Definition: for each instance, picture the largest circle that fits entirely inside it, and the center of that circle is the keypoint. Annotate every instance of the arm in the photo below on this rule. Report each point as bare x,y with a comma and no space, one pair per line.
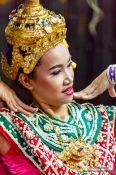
14,103
105,81
4,145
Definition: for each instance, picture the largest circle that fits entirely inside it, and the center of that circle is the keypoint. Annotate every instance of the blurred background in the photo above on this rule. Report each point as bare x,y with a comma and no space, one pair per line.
92,52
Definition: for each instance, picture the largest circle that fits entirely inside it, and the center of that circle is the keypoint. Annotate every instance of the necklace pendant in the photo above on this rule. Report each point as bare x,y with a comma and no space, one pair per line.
79,155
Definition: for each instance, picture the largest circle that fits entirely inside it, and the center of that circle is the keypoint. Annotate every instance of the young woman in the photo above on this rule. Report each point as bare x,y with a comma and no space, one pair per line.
61,137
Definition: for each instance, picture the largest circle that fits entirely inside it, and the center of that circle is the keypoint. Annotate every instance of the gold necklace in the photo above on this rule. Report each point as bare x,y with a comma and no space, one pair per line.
79,154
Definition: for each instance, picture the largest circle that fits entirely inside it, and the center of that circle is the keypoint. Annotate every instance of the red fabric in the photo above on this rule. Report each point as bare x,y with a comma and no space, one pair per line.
3,168
115,167
18,164
115,128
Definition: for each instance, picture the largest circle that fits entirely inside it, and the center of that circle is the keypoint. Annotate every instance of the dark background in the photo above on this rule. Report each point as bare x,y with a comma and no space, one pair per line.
92,53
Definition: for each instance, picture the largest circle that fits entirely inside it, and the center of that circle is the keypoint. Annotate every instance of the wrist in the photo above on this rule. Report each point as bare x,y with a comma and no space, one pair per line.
111,74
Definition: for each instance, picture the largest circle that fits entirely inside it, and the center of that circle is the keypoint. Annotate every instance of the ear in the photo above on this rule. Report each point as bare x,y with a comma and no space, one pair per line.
25,81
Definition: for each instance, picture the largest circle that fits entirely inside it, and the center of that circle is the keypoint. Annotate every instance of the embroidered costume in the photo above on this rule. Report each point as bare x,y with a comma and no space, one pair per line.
37,140
85,144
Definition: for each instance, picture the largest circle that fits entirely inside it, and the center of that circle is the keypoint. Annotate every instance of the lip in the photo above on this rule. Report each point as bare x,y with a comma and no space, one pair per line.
69,91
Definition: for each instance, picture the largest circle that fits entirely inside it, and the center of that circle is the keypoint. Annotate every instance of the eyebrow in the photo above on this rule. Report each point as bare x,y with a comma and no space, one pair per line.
59,65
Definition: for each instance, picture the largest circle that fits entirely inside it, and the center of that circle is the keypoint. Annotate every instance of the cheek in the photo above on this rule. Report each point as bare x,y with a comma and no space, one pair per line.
48,84
70,72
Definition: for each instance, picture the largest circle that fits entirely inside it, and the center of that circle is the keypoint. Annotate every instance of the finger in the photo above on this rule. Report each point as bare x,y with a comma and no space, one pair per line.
23,111
89,91
84,97
112,91
19,109
14,106
24,106
88,97
77,95
11,106
80,94
91,95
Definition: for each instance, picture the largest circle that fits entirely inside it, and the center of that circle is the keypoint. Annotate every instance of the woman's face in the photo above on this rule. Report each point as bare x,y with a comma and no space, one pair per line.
53,78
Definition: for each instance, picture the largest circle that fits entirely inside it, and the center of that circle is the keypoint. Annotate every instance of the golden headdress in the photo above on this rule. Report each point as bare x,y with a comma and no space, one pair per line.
32,30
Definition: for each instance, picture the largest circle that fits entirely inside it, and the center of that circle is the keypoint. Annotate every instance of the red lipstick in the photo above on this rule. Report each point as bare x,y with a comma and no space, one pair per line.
69,91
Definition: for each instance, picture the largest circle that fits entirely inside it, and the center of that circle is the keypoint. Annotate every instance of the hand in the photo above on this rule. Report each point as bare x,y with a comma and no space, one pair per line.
13,102
97,87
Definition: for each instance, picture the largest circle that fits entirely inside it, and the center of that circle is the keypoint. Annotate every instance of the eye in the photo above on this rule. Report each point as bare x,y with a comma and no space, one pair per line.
70,64
56,72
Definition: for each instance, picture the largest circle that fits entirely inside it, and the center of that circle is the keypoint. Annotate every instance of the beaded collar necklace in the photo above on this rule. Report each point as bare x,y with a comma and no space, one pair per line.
78,154
55,129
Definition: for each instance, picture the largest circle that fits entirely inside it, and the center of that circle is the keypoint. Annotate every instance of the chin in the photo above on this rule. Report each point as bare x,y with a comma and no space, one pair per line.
62,100
67,100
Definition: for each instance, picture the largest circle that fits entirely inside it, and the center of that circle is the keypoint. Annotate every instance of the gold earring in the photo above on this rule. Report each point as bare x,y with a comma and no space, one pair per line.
73,64
65,42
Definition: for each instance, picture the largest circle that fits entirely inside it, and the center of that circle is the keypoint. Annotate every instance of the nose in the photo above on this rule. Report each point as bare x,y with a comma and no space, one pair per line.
68,77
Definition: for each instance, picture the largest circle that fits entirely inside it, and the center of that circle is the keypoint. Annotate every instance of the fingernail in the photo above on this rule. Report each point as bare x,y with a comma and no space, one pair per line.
12,112
36,109
30,114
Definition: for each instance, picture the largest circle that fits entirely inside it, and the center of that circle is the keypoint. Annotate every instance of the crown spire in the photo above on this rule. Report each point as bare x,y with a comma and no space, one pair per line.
32,3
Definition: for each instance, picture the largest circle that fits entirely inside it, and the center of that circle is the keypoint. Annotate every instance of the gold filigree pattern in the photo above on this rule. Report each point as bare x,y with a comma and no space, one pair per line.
79,155
32,30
